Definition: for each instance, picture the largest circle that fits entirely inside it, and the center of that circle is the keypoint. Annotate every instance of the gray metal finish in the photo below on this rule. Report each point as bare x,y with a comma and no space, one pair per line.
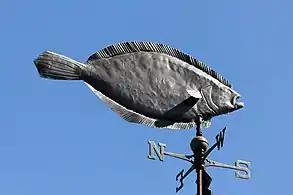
148,83
154,83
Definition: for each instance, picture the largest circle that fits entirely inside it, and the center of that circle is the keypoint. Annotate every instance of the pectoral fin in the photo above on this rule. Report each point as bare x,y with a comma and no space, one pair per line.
194,93
179,110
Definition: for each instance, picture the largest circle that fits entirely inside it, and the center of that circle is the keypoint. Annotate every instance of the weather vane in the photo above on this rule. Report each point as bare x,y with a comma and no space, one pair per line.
158,86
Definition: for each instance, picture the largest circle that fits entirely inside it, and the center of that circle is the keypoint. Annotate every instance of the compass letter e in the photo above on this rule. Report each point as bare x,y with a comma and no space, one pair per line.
153,148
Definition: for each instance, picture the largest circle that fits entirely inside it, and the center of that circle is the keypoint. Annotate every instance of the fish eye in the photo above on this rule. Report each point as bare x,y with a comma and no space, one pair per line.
234,100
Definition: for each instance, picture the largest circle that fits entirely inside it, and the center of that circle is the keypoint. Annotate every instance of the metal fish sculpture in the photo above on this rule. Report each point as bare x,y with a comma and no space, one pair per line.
148,83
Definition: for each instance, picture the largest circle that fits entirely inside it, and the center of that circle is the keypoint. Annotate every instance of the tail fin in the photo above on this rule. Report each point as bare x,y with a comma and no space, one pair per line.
55,66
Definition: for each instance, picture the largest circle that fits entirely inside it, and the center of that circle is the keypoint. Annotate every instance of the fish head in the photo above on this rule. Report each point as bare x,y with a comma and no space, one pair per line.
236,104
227,99
221,99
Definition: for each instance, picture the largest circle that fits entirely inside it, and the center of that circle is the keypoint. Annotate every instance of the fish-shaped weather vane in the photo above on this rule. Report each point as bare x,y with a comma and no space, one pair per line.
148,83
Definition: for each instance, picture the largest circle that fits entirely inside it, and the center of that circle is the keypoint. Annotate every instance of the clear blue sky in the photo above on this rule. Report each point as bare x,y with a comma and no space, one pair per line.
57,137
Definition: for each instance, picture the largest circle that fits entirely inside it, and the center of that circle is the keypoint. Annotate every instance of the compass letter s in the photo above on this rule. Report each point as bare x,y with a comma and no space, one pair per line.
153,148
245,169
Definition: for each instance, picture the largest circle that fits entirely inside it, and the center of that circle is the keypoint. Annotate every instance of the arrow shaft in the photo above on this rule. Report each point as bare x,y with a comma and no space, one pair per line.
211,163
179,156
210,150
189,171
219,143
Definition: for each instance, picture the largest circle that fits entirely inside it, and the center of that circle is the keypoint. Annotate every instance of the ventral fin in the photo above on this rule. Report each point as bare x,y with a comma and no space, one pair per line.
133,117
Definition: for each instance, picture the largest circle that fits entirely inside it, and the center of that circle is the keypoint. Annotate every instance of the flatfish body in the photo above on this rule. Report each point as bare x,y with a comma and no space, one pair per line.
148,83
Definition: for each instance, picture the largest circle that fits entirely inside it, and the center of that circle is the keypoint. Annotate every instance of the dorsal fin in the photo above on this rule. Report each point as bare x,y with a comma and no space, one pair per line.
130,47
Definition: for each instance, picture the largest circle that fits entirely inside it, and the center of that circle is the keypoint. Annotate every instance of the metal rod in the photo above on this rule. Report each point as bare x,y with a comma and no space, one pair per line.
199,180
199,155
198,127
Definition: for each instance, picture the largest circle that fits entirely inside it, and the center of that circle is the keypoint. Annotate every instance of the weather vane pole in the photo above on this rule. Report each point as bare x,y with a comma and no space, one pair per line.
199,160
199,152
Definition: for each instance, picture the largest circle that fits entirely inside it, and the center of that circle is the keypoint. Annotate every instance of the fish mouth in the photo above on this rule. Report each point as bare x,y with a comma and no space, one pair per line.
237,104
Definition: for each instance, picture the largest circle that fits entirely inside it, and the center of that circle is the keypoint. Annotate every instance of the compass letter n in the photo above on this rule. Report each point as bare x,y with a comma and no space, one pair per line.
153,148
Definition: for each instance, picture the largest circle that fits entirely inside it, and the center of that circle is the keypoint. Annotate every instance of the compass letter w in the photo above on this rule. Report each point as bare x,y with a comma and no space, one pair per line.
153,148
220,138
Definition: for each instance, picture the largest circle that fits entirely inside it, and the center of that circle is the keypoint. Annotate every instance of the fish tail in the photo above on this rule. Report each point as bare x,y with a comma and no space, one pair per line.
58,67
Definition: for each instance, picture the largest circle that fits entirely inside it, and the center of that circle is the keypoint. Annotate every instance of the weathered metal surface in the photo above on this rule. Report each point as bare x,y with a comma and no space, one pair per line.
148,83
